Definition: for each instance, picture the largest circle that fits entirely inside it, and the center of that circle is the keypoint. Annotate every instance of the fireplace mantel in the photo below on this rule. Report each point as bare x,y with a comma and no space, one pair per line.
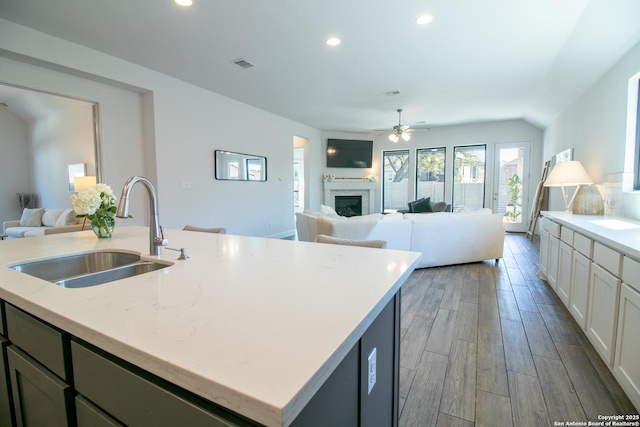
364,187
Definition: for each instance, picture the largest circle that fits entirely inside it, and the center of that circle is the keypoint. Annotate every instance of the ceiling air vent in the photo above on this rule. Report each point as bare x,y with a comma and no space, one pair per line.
242,63
392,93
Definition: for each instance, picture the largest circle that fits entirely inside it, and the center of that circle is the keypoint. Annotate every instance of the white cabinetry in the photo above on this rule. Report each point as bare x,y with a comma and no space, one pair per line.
553,247
565,261
579,296
544,252
604,293
626,366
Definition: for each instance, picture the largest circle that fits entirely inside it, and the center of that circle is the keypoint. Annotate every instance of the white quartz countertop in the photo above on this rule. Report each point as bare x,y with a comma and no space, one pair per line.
621,234
255,325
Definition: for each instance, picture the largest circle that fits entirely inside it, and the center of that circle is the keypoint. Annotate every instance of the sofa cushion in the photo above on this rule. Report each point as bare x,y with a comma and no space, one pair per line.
321,238
421,206
17,232
31,217
67,217
50,217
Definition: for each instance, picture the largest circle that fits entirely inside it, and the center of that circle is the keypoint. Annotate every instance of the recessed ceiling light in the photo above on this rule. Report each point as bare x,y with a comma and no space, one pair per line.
424,19
333,41
184,2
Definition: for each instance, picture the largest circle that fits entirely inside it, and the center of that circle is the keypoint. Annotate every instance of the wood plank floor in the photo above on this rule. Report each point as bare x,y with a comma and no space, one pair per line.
492,345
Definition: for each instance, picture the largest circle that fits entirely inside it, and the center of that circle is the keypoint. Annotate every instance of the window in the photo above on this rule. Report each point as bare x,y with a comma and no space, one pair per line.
430,177
468,176
395,179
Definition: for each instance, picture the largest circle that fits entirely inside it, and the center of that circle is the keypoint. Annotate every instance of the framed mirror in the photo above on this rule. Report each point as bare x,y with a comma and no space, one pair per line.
239,167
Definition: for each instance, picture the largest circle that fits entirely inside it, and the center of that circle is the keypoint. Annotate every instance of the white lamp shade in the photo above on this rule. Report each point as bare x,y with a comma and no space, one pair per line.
568,174
83,182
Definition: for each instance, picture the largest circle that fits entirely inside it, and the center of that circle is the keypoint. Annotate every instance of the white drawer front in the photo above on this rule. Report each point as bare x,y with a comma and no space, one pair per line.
631,273
566,235
608,258
583,244
552,227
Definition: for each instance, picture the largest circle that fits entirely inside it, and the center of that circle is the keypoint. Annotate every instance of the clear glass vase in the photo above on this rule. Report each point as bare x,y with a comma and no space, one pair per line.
103,227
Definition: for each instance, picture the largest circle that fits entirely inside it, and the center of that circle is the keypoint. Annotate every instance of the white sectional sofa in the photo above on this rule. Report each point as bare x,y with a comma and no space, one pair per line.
43,221
443,238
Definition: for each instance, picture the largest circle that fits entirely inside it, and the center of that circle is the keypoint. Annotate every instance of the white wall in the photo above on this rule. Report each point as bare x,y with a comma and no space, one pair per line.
595,126
488,133
15,171
177,127
446,136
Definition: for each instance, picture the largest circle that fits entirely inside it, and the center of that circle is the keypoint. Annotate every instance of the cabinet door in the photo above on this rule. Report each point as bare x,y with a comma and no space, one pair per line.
626,365
604,290
565,259
579,296
552,266
40,398
5,386
544,252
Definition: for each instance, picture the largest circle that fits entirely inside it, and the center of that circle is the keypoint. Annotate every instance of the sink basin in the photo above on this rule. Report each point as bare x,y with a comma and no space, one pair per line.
88,268
110,275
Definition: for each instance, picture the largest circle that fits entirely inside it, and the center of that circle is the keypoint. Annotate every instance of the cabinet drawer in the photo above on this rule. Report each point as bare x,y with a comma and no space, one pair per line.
89,415
43,342
138,399
582,244
551,227
608,258
566,235
631,273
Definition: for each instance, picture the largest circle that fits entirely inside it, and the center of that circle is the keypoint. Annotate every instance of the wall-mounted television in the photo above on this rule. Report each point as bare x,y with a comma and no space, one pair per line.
349,153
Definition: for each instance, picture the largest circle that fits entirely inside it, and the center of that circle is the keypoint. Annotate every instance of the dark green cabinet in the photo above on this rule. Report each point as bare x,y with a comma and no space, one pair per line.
6,407
52,379
40,398
89,415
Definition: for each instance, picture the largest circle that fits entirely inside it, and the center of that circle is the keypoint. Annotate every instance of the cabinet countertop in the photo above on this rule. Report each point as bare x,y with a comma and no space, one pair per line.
621,234
255,325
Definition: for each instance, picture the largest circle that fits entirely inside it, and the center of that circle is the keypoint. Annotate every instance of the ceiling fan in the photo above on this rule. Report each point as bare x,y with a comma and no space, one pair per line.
400,130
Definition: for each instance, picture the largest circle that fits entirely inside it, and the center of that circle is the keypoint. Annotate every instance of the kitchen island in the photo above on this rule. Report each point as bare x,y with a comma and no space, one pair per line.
255,326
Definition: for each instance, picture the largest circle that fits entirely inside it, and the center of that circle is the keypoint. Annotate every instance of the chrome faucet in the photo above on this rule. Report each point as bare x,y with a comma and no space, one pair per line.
156,236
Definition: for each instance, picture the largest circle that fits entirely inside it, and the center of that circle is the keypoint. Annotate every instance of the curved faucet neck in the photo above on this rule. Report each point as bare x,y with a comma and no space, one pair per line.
156,238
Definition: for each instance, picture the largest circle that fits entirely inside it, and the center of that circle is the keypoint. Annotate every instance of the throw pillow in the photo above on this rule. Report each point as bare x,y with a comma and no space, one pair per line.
411,204
439,207
328,210
31,217
422,206
50,217
68,217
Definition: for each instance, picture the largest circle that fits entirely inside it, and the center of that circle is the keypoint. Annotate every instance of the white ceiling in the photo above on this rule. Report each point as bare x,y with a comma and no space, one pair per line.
477,61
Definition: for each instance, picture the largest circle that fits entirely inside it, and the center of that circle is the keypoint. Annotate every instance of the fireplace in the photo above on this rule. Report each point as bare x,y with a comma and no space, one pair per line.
350,187
348,205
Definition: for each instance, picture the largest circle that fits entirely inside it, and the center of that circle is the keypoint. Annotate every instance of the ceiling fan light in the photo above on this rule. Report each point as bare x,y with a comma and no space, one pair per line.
393,137
406,136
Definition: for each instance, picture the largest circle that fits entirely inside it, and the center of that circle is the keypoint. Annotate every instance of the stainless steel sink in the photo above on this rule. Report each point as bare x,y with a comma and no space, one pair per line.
88,268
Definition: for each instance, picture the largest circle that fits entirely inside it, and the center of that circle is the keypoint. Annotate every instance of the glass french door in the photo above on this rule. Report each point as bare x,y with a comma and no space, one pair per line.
510,187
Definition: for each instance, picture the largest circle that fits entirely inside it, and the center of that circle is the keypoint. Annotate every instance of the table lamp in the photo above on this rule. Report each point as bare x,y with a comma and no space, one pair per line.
568,174
82,182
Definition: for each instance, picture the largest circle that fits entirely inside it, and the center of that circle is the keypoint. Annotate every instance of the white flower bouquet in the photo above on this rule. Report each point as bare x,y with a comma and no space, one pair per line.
97,204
